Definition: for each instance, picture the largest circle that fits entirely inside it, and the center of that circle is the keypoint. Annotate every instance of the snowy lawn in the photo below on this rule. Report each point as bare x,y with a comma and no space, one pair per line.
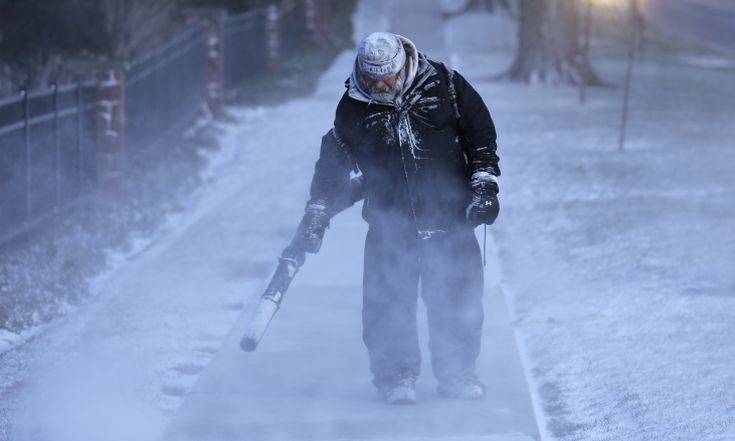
621,265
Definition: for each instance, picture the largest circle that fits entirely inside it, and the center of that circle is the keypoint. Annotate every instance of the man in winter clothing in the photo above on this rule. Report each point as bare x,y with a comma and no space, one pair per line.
424,142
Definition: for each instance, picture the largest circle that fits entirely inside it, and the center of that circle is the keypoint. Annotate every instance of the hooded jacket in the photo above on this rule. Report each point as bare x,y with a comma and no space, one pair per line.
416,155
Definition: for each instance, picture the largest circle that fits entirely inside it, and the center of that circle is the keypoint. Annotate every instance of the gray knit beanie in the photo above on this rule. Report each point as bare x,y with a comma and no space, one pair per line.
381,55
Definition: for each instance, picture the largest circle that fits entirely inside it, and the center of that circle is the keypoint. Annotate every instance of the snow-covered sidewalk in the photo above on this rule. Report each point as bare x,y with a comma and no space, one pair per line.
309,378
164,325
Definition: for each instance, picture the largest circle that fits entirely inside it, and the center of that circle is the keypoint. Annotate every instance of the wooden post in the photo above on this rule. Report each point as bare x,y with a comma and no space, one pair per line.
213,21
586,50
273,37
310,18
109,121
635,23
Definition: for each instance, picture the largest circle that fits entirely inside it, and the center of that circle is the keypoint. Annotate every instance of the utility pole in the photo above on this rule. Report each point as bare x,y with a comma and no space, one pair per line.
635,23
586,50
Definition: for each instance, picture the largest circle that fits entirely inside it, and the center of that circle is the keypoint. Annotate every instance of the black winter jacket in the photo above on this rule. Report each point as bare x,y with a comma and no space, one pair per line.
416,156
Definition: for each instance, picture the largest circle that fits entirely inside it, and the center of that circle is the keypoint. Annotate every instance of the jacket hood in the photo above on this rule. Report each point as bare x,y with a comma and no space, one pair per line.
418,69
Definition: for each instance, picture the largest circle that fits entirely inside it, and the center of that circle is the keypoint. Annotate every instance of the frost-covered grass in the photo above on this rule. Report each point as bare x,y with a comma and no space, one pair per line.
45,273
50,274
620,264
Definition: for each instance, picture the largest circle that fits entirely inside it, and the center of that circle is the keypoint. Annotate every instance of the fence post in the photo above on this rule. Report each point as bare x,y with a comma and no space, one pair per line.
273,37
310,17
213,22
314,20
107,105
109,121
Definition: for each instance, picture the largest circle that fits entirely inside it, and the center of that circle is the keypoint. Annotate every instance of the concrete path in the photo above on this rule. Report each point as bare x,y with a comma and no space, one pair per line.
309,379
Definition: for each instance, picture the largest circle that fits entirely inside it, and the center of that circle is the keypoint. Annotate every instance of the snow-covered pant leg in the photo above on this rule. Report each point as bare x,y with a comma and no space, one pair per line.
390,295
452,287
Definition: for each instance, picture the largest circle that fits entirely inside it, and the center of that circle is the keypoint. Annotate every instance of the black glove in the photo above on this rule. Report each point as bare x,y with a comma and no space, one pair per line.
314,222
484,207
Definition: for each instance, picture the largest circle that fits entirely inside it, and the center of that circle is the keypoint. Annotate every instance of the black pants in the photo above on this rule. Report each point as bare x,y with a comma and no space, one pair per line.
450,270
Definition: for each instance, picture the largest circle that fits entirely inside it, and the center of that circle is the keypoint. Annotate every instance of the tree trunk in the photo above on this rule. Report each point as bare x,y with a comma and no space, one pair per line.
548,45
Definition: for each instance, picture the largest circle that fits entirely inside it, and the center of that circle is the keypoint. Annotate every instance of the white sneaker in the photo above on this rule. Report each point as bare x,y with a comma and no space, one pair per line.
463,389
401,392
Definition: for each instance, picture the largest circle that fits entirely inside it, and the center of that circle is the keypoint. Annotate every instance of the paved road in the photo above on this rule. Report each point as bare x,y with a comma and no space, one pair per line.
309,380
710,22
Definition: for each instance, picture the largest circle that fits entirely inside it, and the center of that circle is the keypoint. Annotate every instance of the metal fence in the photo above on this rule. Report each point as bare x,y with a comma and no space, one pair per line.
47,137
245,47
247,39
50,139
46,152
164,92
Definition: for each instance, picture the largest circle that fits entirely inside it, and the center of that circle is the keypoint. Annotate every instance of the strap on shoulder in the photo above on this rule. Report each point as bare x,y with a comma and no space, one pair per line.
449,72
